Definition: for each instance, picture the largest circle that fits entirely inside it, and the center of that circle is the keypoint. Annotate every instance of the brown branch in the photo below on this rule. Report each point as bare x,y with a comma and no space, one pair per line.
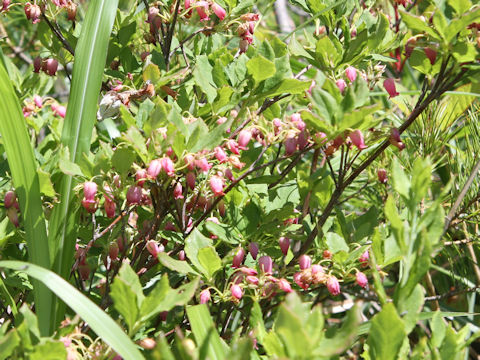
59,35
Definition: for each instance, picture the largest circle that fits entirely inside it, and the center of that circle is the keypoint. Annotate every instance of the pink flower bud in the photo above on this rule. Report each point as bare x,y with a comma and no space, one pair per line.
238,258
51,67
300,281
134,194
284,285
382,176
363,259
10,199
265,263
167,166
395,139
216,185
333,285
5,4
341,84
113,250
290,144
302,139
178,191
141,176
37,64
327,254
389,85
431,55
12,215
187,4
89,205
305,262
361,279
248,271
33,12
409,46
219,11
181,255
351,73
356,137
189,161
109,207
284,243
252,280
153,248
236,291
233,146
220,154
205,296
38,101
203,164
202,10
253,249
154,168
59,110
228,174
243,139
317,269
89,190
191,180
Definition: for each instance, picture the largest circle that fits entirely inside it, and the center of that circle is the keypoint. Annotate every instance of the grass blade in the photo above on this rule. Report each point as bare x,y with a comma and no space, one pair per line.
97,319
23,168
90,57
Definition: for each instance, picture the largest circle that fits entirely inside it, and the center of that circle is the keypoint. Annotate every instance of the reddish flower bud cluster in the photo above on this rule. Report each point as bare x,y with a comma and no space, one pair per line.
11,204
245,30
48,66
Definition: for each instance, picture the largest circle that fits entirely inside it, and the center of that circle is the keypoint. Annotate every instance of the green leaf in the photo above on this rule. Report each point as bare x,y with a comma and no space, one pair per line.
288,86
88,68
204,331
204,79
392,215
461,23
181,267
102,324
418,25
401,183
127,294
386,334
157,295
123,159
50,350
335,242
260,68
8,343
23,167
439,328
193,243
209,260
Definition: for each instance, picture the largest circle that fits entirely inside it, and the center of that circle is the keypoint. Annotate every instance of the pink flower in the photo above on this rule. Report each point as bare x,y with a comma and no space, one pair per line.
395,139
203,164
154,168
205,296
228,174
300,281
216,185
351,73
134,194
341,84
333,285
236,291
363,259
302,139
167,166
248,271
191,180
220,154
178,191
12,215
51,66
109,207
219,11
238,258
252,280
187,4
233,146
10,198
253,249
89,190
389,85
38,101
361,279
284,285
305,262
181,255
189,161
153,248
202,10
357,139
265,263
284,243
59,110
382,176
243,139
290,144
140,177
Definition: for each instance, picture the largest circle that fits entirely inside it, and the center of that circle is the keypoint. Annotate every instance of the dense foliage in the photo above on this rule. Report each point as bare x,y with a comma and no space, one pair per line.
239,179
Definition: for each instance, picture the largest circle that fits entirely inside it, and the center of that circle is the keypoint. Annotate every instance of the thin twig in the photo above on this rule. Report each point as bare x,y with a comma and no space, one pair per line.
59,35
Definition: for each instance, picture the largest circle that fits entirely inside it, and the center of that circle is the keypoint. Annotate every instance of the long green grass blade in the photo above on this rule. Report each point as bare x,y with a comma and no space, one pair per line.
23,168
97,319
90,57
